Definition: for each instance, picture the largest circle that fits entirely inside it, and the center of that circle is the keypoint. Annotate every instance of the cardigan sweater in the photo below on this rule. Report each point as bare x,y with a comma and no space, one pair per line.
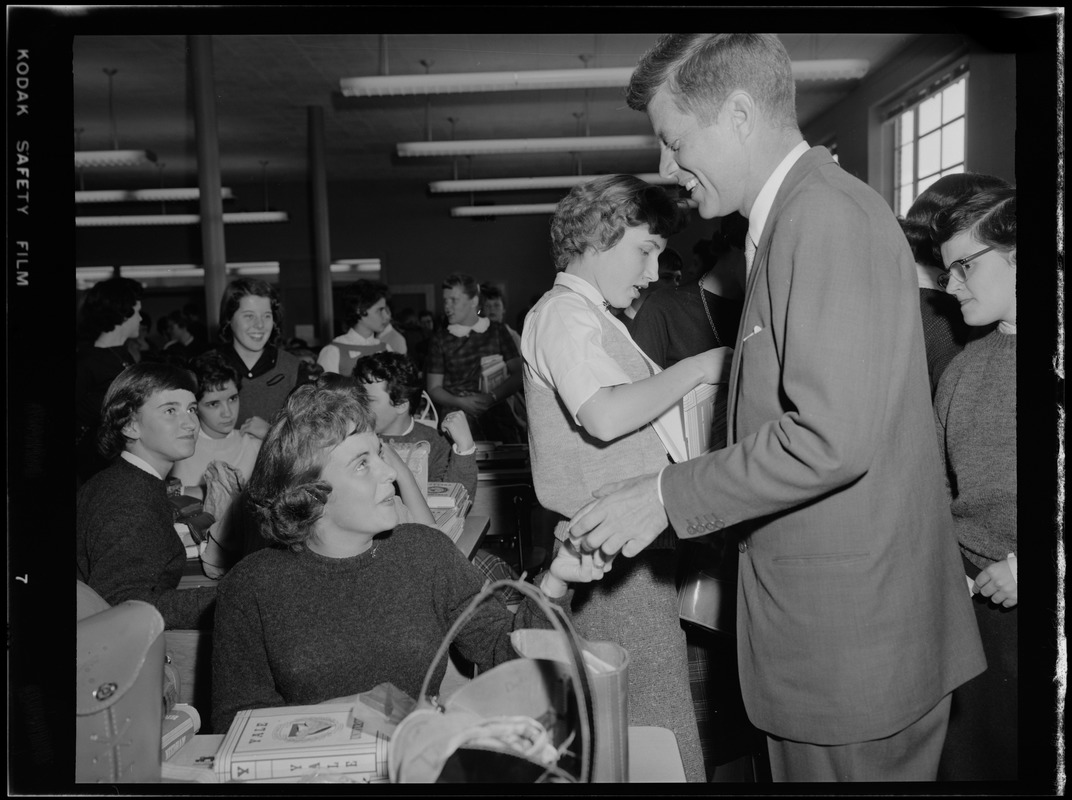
297,628
127,547
975,410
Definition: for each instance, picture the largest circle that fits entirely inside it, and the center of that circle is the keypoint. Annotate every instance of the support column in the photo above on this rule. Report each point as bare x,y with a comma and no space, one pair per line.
208,177
318,207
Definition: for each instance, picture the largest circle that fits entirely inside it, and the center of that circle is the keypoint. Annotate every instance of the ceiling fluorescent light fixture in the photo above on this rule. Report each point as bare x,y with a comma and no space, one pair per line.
506,81
503,211
356,265
140,220
532,208
524,184
144,195
565,144
144,271
113,158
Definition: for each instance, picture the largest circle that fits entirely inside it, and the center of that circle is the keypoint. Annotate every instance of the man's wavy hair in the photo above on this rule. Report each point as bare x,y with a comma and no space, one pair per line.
595,215
128,392
943,193
700,70
286,493
232,297
990,215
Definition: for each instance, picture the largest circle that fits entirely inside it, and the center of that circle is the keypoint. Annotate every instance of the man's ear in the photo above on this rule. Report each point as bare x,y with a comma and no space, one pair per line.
741,107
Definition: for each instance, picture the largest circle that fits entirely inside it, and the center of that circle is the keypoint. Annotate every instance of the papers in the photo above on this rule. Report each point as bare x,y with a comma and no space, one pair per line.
695,425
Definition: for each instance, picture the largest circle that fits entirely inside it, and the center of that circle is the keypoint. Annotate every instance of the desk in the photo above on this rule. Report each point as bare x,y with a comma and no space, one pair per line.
472,536
476,528
653,758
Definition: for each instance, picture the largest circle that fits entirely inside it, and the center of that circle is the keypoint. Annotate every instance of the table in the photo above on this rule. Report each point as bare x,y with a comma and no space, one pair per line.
653,758
472,536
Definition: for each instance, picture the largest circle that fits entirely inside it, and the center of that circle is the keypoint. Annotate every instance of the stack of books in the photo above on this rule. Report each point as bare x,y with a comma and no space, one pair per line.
493,372
449,503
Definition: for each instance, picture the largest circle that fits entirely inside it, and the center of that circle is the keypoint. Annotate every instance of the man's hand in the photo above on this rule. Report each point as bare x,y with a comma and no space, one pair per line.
625,517
997,583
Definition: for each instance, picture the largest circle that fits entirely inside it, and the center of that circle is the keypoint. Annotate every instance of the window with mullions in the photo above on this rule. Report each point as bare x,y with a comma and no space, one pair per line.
929,140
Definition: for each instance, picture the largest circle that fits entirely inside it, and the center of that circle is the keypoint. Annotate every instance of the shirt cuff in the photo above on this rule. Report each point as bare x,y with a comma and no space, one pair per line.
1011,557
659,485
468,452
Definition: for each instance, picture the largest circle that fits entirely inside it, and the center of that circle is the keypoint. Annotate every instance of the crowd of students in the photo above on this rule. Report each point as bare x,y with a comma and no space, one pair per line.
863,491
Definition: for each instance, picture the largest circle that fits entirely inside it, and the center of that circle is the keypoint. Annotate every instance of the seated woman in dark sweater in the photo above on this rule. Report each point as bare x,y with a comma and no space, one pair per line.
127,546
347,598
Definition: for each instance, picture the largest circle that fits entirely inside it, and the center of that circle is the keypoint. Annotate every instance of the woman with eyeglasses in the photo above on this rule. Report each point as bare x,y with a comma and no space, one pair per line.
944,330
975,411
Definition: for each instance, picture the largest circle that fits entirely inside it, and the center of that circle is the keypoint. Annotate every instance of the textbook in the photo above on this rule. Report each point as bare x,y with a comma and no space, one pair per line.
180,725
695,425
446,495
493,373
292,742
449,521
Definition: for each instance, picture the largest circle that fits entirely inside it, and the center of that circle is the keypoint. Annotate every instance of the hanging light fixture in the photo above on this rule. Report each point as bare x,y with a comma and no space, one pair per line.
834,69
531,208
528,184
142,220
563,144
114,157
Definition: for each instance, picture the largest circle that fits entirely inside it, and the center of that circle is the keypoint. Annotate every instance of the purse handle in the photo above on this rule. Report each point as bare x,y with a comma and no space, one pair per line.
578,673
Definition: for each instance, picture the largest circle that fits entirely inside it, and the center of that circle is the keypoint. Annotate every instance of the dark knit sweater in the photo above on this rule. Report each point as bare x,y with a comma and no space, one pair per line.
443,463
672,324
301,628
944,331
975,410
127,547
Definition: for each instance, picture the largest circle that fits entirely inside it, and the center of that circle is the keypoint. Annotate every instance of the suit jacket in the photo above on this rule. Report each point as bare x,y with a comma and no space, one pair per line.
853,614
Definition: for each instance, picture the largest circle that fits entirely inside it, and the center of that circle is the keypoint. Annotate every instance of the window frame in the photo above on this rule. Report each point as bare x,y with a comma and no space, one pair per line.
910,101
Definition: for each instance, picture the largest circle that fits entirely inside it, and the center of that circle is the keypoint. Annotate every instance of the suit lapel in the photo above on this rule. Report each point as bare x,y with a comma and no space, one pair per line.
796,175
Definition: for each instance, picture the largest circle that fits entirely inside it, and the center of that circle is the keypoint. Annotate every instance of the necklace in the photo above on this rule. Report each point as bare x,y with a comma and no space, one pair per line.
703,299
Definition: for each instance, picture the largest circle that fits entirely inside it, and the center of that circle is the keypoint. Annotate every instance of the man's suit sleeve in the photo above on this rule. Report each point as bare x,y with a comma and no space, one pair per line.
812,385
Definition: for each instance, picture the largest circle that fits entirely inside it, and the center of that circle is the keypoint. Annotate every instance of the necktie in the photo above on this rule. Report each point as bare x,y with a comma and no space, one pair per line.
749,253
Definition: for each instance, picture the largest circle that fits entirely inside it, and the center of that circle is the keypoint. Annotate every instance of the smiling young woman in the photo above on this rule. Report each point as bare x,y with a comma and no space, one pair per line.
347,598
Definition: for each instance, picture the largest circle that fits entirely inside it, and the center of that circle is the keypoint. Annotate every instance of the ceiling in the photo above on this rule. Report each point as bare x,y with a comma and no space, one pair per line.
264,84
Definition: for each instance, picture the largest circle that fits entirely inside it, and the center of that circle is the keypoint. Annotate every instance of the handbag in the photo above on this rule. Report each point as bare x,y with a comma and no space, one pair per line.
707,597
528,720
119,698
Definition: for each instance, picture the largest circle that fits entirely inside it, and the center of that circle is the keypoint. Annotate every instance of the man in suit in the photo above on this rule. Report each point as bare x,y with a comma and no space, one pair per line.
854,621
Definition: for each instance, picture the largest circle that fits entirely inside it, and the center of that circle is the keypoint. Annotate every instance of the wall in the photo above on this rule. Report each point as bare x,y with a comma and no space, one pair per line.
864,146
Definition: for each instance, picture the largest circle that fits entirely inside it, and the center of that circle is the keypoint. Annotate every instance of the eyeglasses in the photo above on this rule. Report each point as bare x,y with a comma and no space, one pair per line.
959,269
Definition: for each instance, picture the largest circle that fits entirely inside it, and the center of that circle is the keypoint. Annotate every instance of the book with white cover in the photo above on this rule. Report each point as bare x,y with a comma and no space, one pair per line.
280,744
440,494
696,424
